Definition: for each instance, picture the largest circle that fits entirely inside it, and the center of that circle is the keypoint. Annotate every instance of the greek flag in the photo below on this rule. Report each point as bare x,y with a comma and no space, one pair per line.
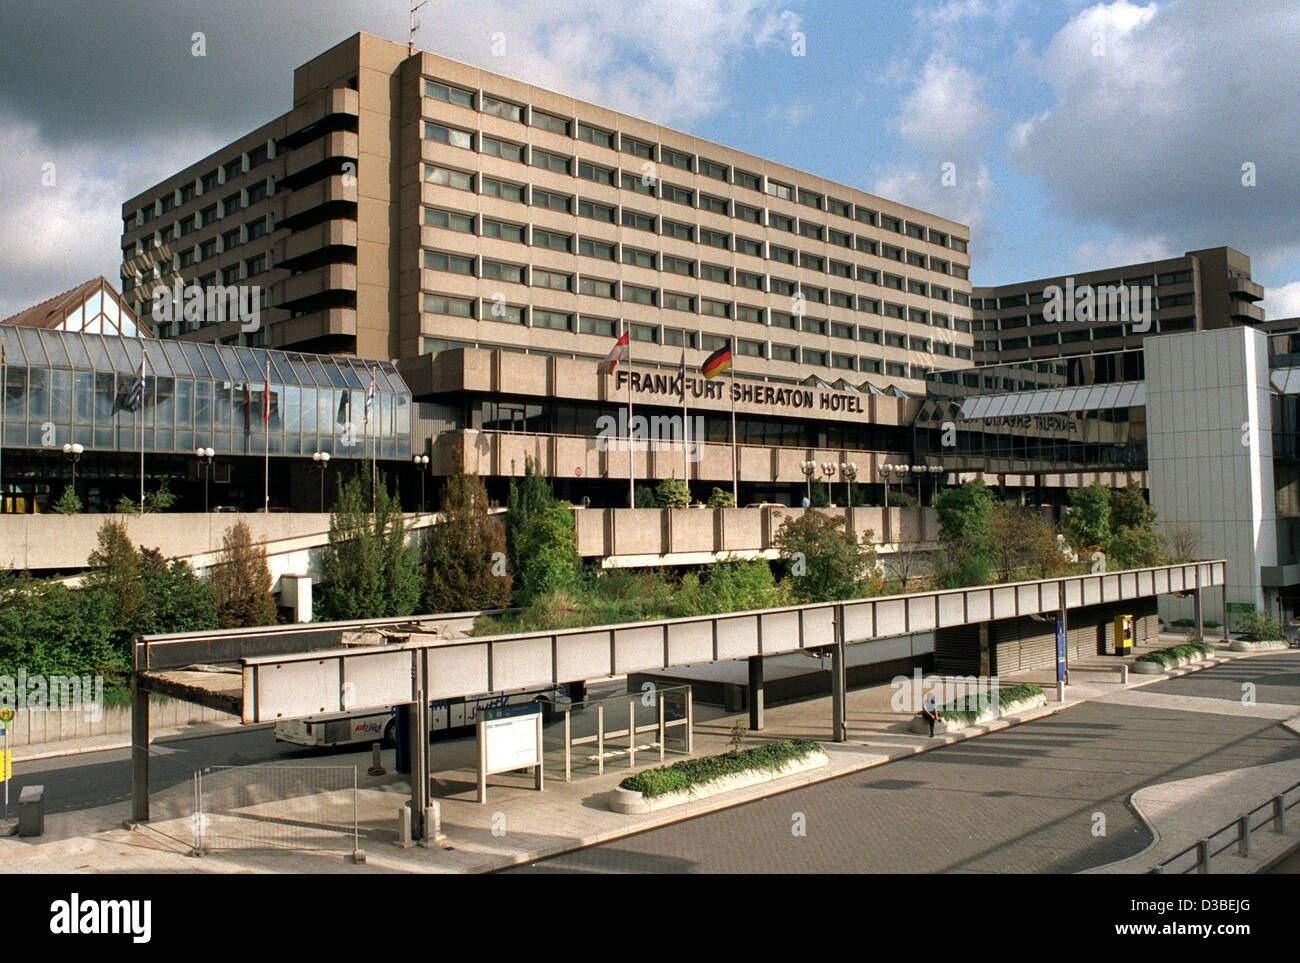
135,395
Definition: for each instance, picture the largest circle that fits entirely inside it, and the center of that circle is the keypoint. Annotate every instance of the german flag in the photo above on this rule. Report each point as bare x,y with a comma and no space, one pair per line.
716,363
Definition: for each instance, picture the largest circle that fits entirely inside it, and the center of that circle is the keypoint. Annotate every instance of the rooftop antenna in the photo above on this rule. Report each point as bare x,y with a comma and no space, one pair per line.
414,29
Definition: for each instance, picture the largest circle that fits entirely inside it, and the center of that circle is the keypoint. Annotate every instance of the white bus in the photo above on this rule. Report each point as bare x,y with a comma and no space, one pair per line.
445,716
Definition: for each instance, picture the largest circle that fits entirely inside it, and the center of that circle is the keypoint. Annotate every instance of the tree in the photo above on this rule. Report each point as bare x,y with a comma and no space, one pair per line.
1184,540
645,497
904,564
525,500
115,571
48,629
68,503
738,585
721,499
175,598
465,555
549,547
1021,537
1129,509
824,560
241,581
1136,547
965,516
367,568
673,493
1087,523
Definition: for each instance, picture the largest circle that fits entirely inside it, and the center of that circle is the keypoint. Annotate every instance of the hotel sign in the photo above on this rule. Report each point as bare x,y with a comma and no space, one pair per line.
1060,424
666,388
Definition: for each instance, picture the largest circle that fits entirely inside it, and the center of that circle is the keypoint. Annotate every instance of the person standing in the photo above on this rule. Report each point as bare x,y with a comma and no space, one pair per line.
930,710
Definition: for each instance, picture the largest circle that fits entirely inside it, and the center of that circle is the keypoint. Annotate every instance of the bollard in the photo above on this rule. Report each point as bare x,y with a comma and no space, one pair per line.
433,834
31,811
1203,856
404,827
1243,836
1123,675
376,761
1279,813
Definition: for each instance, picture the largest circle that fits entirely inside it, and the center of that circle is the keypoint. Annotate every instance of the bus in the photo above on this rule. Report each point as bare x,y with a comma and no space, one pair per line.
447,717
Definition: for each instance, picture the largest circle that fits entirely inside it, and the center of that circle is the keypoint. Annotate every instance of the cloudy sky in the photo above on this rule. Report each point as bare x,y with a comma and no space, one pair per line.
1077,135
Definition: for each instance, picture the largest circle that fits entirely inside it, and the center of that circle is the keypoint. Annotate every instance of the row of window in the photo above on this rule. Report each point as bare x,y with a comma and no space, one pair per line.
1159,303
1079,335
204,184
666,156
1038,297
189,256
537,317
254,194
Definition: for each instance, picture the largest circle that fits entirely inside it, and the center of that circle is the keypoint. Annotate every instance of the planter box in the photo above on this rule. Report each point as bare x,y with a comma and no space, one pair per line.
1155,668
919,725
630,802
1266,645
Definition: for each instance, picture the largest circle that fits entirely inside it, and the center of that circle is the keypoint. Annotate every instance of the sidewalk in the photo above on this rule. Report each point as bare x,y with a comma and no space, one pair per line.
519,825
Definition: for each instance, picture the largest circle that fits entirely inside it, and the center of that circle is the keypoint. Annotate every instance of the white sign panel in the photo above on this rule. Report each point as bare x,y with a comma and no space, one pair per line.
511,742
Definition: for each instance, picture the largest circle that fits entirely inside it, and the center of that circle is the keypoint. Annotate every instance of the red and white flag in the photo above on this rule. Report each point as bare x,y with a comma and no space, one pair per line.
616,354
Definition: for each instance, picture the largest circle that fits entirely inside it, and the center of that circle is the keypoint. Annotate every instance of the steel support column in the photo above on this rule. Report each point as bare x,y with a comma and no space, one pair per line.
755,692
139,751
838,701
418,736
1198,607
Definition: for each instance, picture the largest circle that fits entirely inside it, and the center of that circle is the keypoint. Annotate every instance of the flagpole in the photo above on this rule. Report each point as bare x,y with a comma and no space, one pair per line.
631,451
4,400
686,428
266,425
735,470
139,417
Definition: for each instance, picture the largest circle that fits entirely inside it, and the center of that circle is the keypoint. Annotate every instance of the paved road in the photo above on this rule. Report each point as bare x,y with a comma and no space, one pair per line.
1020,800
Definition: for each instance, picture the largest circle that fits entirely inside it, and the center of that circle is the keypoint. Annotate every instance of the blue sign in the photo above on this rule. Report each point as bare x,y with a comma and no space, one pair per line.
1060,647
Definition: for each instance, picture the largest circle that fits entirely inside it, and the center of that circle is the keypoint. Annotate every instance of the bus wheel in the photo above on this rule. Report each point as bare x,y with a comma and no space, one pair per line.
390,734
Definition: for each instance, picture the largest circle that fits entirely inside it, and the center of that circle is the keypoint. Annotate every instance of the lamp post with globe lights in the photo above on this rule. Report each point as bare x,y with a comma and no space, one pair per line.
73,453
421,465
322,460
205,456
828,469
809,468
850,472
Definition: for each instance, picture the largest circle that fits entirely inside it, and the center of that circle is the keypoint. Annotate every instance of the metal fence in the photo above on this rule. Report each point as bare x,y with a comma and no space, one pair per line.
582,738
294,808
1198,857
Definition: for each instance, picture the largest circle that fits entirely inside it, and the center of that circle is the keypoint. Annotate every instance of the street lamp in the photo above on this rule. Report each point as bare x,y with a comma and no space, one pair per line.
205,456
850,471
73,453
885,472
936,472
421,463
809,468
322,460
828,469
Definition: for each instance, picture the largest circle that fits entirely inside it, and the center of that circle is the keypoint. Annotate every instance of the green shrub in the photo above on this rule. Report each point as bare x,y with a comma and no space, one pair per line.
720,499
1171,656
673,493
966,708
681,776
68,503
1258,627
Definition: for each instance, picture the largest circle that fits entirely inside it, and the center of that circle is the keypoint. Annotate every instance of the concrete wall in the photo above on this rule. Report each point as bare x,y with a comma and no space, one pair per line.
33,727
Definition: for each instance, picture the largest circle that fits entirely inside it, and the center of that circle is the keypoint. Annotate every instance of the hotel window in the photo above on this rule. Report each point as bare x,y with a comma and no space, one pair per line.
713,169
963,353
597,212
504,231
1174,277
231,204
940,294
841,239
448,93
678,195
895,340
893,282
678,302
817,295
256,228
943,267
452,263
230,240
639,258
841,330
813,356
918,372
751,349
745,312
715,239
676,158
715,309
637,148
919,316
784,352
678,265
960,272
186,225
919,344
255,265
842,208
187,257
500,311
754,215
167,202
551,201
502,189
865,245
745,179
810,199
813,231
447,177
780,222
233,169
781,286
941,320
595,173
644,332
506,150
715,272
208,248
188,193
451,221
943,348
814,326
451,135
918,287
554,280
594,135
716,205
637,183
869,335
556,125
208,215
960,297
638,295
606,327
555,320
963,324
677,338
841,270
553,241
893,253
869,365
635,219
1173,300
844,362
916,231
893,311
210,181
891,224
165,234
590,247
745,279
915,259
596,287
938,237
777,189
958,245
869,305
842,299
499,271
230,275
896,370
746,245
783,254
501,108
557,163
712,342
812,262
784,319
257,192
682,232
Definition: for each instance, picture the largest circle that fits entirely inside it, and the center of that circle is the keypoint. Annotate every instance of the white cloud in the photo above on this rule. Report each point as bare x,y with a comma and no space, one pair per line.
945,110
1282,301
1091,256
1156,109
964,200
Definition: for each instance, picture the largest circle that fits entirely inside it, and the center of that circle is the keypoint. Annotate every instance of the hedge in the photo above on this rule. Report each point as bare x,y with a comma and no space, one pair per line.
1171,656
681,776
968,707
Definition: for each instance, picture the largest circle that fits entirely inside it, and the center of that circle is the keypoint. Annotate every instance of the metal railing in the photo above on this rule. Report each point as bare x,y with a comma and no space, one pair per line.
1198,857
582,738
